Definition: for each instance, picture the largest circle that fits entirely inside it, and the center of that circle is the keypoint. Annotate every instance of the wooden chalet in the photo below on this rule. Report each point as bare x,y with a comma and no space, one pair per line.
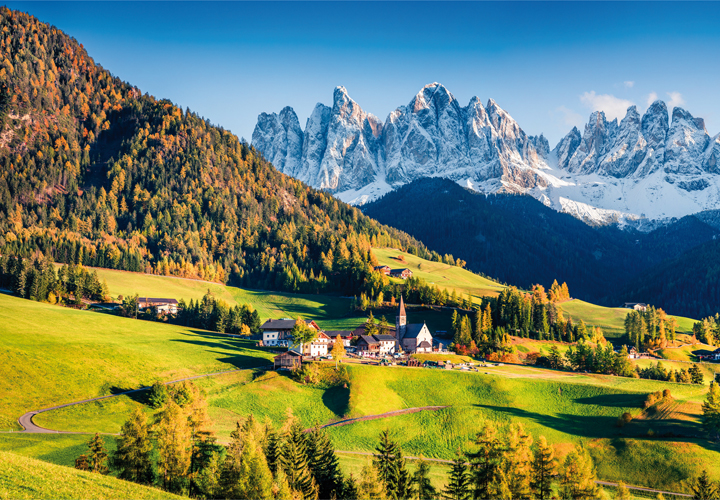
638,306
276,332
345,335
163,306
383,269
288,360
368,344
400,273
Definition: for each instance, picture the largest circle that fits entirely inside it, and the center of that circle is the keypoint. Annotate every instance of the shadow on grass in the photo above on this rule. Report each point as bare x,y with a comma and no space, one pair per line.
337,400
614,400
141,396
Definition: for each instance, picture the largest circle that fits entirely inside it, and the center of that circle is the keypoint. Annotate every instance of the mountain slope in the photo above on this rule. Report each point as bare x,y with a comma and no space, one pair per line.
94,172
519,240
645,166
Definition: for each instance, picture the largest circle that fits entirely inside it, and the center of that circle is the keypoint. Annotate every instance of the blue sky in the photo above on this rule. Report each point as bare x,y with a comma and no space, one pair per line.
548,64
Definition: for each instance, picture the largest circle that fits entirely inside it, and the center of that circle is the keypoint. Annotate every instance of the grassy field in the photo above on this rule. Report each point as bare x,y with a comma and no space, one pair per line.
26,478
51,355
610,319
437,273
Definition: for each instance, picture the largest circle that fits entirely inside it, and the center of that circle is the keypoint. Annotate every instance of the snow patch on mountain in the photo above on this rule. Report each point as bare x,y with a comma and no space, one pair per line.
615,172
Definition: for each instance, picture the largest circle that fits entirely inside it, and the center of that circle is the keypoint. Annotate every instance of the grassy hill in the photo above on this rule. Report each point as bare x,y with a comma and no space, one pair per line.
438,273
51,355
27,478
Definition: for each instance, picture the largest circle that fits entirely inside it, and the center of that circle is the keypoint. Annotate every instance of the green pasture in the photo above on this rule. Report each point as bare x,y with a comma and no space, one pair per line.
50,355
22,477
437,273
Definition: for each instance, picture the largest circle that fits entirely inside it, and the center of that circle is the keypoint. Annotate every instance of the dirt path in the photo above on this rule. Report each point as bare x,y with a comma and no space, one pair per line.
26,420
601,483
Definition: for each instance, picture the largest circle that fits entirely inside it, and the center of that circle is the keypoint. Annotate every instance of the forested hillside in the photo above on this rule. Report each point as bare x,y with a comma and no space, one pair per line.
520,241
98,173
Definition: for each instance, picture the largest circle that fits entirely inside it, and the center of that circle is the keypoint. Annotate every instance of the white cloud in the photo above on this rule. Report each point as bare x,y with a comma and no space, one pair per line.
570,117
629,84
676,99
614,107
652,97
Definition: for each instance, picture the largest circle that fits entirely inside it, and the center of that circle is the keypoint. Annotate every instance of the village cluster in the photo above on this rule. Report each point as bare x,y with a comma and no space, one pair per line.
404,338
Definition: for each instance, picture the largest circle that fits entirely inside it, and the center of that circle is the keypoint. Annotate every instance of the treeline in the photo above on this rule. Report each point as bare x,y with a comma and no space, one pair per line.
707,330
177,450
651,328
94,173
207,313
36,279
603,359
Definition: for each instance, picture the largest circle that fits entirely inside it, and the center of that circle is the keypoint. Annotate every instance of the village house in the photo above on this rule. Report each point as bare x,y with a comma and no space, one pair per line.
162,306
638,306
383,269
387,343
413,338
318,347
400,273
345,335
276,332
368,344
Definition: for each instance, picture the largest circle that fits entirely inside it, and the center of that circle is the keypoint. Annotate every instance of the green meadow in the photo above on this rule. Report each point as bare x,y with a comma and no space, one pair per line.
437,273
22,477
51,355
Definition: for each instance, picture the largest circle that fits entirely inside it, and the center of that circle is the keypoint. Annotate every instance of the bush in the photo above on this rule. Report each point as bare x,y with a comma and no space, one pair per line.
623,420
158,395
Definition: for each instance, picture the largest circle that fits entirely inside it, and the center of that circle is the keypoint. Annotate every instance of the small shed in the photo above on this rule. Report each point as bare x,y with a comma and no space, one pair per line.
288,360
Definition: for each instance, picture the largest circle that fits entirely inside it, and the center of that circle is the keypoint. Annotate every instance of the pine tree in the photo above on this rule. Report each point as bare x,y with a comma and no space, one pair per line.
82,463
704,489
324,464
384,461
518,459
622,492
295,463
274,450
281,489
711,411
370,486
421,479
486,462
458,485
543,469
577,476
174,446
133,454
98,455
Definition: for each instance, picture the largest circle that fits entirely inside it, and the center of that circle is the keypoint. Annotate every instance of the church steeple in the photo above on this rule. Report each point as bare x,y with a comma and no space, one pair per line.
401,321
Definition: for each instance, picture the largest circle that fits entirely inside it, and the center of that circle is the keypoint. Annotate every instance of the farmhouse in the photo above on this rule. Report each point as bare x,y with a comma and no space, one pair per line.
387,343
400,273
412,338
318,347
288,360
383,269
345,335
638,306
368,344
162,306
276,332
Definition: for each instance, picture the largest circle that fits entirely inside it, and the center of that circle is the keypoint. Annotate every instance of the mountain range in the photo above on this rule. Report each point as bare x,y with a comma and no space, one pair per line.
638,171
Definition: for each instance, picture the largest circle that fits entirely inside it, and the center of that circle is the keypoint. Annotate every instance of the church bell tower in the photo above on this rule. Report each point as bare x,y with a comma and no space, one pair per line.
401,321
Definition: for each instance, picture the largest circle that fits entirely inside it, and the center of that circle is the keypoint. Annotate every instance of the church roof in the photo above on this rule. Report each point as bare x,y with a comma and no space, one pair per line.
412,331
402,307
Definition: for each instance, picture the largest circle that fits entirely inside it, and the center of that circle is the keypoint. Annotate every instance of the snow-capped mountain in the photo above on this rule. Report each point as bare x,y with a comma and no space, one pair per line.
643,167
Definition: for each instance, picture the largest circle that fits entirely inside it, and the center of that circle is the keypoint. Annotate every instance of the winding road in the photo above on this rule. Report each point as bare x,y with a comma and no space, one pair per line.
26,421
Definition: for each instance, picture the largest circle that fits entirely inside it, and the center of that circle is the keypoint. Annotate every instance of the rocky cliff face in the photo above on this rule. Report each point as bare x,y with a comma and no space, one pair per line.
344,148
644,166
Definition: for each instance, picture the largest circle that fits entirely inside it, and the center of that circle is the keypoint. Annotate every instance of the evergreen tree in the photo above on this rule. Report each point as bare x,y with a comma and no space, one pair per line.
295,463
543,470
370,486
324,464
518,460
622,492
711,411
458,485
133,454
577,476
82,463
704,489
391,468
421,479
486,462
281,489
174,445
274,450
98,455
